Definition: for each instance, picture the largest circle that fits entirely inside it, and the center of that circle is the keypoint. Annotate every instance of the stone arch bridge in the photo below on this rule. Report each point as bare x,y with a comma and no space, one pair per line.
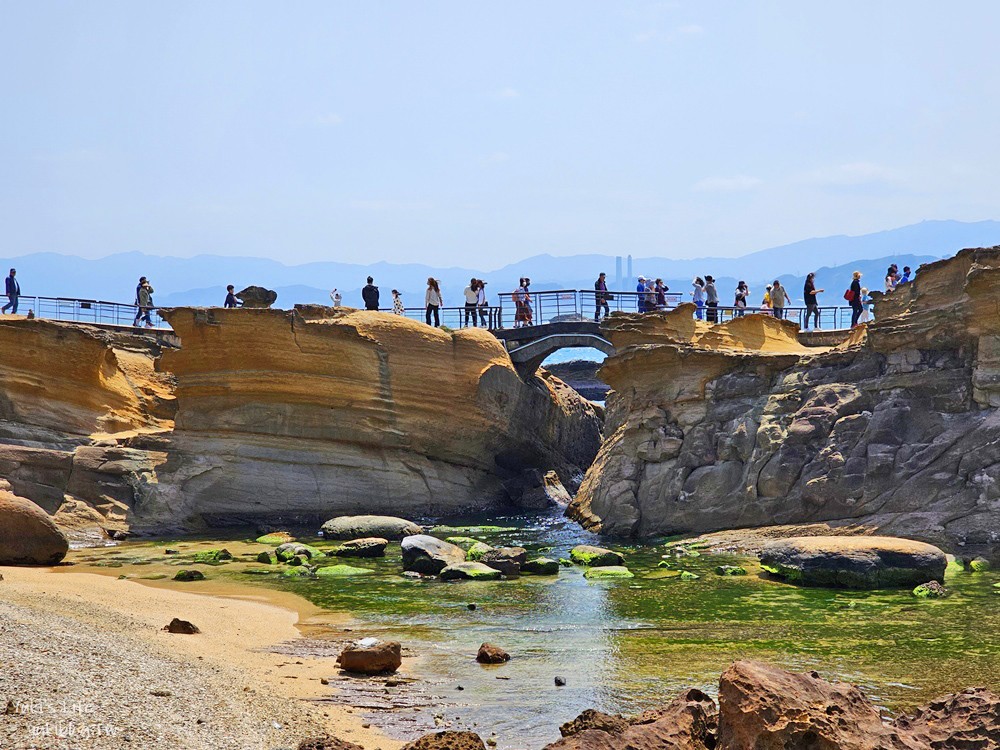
529,346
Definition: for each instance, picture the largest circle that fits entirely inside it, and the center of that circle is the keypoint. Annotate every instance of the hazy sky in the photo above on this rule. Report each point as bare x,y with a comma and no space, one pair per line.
450,131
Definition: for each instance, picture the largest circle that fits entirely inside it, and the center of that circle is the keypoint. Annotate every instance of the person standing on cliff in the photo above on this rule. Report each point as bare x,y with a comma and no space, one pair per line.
698,296
370,295
906,275
397,303
779,298
640,289
809,292
13,292
433,302
471,300
231,300
661,294
144,302
335,297
711,299
853,296
740,299
601,297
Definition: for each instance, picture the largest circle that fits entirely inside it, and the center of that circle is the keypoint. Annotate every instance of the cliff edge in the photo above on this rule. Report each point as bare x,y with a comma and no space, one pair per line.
739,425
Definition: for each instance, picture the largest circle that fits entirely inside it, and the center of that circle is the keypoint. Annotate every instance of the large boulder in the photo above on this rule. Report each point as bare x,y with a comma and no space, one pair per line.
508,560
857,562
371,546
371,656
354,527
428,555
473,571
28,536
257,296
450,740
686,723
586,554
970,719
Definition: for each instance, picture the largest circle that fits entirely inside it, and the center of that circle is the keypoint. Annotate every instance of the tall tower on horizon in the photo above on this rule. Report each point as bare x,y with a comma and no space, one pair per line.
618,272
629,274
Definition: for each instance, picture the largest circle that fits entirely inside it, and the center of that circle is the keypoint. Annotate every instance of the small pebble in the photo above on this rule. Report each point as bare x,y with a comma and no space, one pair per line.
560,681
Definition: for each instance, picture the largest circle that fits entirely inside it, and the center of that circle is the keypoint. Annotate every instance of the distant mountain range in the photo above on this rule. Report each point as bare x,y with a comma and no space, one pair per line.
201,280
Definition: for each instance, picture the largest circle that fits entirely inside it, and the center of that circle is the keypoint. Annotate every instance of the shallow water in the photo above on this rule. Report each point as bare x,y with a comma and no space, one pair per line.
626,645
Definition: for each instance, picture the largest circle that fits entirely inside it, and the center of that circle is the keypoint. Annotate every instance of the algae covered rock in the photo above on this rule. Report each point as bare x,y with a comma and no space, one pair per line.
342,571
476,551
275,538
465,542
189,575
687,575
300,571
859,562
371,546
213,557
541,566
585,554
603,572
358,527
427,555
267,558
286,552
979,565
474,571
730,570
931,590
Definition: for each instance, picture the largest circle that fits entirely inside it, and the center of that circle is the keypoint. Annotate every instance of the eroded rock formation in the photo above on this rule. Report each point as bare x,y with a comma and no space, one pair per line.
293,416
740,425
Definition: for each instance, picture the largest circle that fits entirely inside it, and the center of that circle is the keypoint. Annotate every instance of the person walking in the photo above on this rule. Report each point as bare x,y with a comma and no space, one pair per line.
640,298
335,297
471,301
853,296
433,302
779,298
231,300
144,302
370,295
529,313
698,296
397,303
809,292
711,299
601,297
483,304
13,292
740,299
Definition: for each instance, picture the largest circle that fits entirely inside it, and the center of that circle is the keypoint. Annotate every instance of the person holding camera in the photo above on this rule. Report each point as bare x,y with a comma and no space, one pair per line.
143,302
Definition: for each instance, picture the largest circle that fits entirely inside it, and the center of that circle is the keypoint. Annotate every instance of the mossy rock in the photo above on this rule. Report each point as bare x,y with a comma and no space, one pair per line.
596,557
730,570
979,565
473,571
607,572
285,552
541,566
275,538
931,590
213,557
189,575
342,571
442,531
297,560
267,558
657,575
663,564
153,577
954,566
477,551
566,563
297,572
465,542
687,575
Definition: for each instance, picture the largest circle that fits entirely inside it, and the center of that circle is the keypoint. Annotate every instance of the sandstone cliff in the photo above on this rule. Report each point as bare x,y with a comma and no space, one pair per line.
306,414
739,425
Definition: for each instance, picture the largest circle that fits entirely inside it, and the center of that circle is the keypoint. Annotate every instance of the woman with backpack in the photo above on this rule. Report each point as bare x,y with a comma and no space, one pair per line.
433,301
853,296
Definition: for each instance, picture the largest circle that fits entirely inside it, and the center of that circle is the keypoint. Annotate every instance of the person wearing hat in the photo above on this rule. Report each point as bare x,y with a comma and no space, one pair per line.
482,304
711,300
397,303
640,288
143,302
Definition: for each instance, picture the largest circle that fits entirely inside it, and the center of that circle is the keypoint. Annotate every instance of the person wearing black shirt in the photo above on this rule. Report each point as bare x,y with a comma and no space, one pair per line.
809,294
370,295
231,300
856,305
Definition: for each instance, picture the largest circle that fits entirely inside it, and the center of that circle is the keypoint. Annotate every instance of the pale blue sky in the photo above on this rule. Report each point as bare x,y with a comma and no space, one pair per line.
450,131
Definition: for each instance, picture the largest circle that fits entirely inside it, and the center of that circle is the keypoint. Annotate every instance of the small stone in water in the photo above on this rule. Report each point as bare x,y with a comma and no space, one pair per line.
472,607
560,681
459,688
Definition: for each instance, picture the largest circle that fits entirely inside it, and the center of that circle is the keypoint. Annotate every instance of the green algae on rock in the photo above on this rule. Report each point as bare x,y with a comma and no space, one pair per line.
340,571
931,590
687,575
189,575
585,554
213,557
465,542
603,572
275,538
477,551
541,566
474,571
730,570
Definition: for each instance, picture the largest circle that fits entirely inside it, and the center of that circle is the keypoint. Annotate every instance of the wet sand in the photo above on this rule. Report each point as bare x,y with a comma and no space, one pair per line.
85,656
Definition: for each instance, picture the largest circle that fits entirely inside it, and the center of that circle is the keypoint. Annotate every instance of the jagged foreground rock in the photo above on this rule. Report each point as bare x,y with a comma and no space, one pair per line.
762,707
739,425
271,415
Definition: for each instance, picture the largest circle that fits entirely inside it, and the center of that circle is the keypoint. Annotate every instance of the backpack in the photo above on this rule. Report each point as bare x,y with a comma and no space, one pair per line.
849,295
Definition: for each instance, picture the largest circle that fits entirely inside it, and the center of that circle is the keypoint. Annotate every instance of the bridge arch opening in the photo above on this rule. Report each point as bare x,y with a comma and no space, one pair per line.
577,366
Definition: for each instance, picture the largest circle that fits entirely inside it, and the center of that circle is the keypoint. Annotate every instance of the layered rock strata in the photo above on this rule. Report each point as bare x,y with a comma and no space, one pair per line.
739,425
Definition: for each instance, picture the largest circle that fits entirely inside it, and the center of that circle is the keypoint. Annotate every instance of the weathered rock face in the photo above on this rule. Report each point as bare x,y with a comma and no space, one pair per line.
856,562
346,411
28,536
739,425
257,296
429,556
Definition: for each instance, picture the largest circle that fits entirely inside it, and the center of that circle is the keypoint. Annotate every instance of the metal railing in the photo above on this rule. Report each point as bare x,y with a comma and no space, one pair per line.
100,312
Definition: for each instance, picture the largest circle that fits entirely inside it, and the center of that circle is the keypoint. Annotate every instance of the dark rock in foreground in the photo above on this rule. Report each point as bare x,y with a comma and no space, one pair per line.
490,654
856,562
447,741
183,627
428,555
328,743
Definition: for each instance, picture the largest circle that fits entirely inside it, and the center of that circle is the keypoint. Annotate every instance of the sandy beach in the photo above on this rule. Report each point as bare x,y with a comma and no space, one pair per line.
87,665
